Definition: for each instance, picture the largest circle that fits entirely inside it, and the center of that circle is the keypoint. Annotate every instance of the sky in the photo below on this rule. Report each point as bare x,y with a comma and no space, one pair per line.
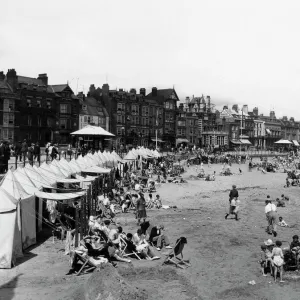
237,52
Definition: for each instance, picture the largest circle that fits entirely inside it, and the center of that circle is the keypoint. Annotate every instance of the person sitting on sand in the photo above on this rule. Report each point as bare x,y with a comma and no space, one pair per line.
282,223
295,248
142,246
287,182
280,203
114,236
157,235
266,259
157,202
278,261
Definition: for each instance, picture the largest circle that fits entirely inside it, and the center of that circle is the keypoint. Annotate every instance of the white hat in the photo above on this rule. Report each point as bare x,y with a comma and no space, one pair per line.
269,242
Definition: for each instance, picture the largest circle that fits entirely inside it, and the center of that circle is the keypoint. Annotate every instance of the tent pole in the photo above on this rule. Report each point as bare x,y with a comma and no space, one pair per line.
76,228
82,218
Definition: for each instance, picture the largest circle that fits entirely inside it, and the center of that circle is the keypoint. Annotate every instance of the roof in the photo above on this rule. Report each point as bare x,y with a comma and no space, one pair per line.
92,130
29,80
57,88
94,108
165,93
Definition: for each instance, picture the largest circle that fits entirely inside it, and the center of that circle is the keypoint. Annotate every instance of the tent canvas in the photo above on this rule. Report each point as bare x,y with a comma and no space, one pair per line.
58,196
283,142
28,211
10,233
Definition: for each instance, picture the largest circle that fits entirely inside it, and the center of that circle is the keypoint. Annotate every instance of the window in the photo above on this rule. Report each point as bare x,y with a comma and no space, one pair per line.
49,104
119,130
8,119
167,105
28,102
29,121
121,107
8,134
8,105
63,123
38,103
63,108
120,119
181,123
84,107
49,122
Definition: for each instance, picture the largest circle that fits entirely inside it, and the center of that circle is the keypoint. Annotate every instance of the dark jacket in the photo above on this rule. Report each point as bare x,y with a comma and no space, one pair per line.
18,148
233,194
24,147
37,150
154,233
6,152
30,153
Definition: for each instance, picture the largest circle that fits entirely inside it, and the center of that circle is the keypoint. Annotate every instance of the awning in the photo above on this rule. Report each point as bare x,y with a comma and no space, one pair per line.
245,142
243,137
58,196
296,143
97,170
159,140
268,131
178,141
236,142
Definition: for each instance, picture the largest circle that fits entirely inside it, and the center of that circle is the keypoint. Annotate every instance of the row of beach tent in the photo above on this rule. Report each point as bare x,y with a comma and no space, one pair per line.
21,195
19,189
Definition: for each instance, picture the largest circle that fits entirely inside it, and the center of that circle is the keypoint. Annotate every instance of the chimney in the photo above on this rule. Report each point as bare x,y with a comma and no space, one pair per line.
187,100
181,106
284,118
2,76
255,111
154,92
43,78
12,78
292,119
245,109
225,107
208,103
80,95
235,107
133,91
272,114
92,89
143,91
120,90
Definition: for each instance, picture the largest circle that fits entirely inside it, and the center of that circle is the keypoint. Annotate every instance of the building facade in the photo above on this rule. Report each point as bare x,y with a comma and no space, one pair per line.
92,112
8,115
289,129
140,119
210,132
168,99
272,129
35,108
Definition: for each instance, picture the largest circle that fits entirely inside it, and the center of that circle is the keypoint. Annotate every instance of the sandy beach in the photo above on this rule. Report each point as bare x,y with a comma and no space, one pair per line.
224,254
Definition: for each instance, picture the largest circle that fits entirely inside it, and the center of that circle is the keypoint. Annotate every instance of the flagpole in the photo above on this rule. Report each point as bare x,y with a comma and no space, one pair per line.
156,139
241,130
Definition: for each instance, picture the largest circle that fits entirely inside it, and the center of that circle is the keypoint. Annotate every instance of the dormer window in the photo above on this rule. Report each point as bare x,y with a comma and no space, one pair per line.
84,107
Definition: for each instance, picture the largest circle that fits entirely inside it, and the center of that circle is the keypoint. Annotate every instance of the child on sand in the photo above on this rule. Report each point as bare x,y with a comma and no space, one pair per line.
266,259
278,261
282,223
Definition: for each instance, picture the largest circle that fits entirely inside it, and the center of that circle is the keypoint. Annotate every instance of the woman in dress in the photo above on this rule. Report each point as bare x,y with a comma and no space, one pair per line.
141,208
278,261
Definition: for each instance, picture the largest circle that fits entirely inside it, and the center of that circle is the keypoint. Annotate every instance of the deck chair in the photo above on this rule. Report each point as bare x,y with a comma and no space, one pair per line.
173,255
124,248
87,265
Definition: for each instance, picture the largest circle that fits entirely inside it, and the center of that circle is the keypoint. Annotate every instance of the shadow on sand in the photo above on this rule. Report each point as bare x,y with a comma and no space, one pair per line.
7,290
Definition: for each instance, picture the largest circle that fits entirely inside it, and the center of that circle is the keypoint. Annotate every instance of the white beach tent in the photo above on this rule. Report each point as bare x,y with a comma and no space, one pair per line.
130,156
10,233
27,204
